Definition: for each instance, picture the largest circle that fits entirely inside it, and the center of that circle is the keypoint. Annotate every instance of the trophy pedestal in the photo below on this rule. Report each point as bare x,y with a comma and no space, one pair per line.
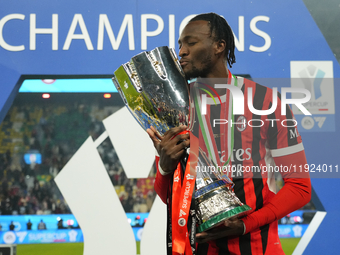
218,219
216,203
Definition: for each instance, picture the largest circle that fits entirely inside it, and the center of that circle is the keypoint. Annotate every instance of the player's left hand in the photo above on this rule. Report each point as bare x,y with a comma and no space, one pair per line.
230,227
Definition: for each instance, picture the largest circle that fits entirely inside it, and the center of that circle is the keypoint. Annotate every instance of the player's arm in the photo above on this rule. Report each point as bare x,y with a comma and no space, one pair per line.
170,148
294,194
288,154
162,182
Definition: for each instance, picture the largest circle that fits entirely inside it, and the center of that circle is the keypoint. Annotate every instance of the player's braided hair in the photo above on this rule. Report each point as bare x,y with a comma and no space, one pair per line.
220,29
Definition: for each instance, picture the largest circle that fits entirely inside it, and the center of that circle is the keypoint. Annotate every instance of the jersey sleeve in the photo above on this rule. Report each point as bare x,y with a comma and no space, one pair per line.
287,151
295,193
283,136
162,183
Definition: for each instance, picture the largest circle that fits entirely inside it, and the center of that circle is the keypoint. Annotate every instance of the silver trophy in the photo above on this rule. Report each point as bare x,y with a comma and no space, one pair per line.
153,87
215,199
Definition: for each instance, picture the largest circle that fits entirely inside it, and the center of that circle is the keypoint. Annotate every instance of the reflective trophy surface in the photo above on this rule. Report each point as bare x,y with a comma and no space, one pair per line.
154,89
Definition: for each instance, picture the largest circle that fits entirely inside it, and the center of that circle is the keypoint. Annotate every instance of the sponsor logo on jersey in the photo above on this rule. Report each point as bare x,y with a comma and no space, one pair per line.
238,154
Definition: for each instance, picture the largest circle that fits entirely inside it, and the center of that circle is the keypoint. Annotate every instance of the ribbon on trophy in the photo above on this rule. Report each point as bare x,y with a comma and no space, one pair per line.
181,201
205,125
214,196
183,206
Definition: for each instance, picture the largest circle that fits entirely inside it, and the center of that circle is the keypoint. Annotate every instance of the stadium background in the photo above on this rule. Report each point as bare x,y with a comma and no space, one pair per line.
54,128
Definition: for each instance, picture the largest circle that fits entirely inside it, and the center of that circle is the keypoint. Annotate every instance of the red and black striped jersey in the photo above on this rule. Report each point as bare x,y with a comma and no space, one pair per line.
261,143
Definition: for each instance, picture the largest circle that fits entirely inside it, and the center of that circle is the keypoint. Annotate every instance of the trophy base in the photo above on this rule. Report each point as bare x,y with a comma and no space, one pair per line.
219,218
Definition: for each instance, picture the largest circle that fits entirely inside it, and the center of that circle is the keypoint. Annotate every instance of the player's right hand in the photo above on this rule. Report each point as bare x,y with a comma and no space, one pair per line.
171,147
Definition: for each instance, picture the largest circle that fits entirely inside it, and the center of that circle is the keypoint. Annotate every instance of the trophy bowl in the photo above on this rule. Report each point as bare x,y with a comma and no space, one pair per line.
153,87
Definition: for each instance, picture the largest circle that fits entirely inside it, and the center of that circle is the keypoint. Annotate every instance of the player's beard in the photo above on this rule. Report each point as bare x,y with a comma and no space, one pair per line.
202,71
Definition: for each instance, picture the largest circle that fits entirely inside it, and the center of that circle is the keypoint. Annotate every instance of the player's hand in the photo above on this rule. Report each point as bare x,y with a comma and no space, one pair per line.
171,147
155,136
230,227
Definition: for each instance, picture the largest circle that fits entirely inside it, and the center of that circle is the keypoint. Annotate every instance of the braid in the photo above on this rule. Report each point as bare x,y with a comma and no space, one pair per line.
220,29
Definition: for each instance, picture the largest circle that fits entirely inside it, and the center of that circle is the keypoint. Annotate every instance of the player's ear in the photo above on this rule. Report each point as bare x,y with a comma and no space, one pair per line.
220,46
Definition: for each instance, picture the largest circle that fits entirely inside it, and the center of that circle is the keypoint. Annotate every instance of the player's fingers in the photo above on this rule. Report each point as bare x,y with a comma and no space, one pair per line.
176,145
202,237
153,137
179,151
177,139
156,133
173,132
182,137
230,221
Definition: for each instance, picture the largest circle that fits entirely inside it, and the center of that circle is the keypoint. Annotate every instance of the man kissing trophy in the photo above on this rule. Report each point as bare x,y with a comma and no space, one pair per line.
154,89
